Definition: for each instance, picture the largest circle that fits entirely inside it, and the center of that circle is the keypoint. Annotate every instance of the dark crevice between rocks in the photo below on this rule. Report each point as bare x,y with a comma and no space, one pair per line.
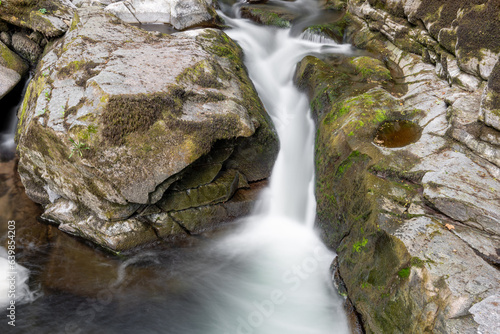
184,228
150,224
434,211
354,318
414,178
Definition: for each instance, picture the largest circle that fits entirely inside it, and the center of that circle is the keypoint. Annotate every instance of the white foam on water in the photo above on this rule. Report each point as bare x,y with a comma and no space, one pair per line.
284,285
21,293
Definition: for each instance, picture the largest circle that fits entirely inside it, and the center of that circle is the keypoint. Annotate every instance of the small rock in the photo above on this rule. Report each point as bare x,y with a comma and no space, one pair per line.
26,47
36,37
8,80
5,38
487,314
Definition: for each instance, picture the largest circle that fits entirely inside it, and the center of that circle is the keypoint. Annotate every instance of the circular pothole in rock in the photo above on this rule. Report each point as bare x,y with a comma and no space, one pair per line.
397,134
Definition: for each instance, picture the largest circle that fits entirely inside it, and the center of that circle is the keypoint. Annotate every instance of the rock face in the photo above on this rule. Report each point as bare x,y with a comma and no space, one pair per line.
416,228
122,158
49,17
181,14
458,36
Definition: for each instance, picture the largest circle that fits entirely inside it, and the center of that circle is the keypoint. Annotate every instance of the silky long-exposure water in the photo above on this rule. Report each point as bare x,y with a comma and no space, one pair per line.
271,276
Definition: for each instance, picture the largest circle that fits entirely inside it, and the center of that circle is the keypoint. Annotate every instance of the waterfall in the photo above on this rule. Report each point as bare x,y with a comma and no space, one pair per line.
270,276
284,284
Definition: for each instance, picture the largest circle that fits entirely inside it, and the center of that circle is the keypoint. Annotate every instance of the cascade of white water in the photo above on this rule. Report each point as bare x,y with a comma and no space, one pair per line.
285,284
271,276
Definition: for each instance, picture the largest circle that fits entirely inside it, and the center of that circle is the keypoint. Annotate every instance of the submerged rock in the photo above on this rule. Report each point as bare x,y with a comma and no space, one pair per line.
181,14
416,228
117,120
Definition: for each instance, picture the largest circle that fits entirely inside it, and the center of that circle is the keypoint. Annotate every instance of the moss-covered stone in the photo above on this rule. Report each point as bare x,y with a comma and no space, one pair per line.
44,16
220,190
11,60
126,114
477,29
268,15
111,142
362,194
371,69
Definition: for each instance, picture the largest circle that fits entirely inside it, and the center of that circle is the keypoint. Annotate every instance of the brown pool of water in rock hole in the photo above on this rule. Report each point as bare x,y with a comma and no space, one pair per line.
397,134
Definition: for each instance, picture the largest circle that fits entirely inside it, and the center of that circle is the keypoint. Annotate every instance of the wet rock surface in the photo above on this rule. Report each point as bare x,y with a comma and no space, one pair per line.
100,144
415,227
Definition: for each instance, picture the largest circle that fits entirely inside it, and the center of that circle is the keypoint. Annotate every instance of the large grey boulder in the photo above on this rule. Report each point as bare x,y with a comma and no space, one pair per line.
181,14
117,121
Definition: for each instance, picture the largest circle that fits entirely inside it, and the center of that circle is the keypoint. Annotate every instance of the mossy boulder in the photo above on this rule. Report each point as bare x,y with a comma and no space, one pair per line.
108,126
385,210
49,17
440,30
271,15
12,68
331,80
11,60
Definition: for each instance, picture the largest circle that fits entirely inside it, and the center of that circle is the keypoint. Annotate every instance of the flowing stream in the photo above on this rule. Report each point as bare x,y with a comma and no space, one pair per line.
270,276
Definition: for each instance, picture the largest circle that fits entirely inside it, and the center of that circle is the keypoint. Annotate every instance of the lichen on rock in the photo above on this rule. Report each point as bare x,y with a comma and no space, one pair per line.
414,227
96,133
12,68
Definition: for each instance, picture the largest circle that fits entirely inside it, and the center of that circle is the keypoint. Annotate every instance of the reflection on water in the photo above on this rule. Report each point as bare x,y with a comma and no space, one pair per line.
397,134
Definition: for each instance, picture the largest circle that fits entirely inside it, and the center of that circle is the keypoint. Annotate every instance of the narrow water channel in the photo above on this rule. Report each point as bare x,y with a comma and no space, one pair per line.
270,276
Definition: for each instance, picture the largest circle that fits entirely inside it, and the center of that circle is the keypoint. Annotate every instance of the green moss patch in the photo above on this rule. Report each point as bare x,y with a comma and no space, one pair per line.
204,74
125,114
268,16
86,69
404,273
371,69
479,29
11,60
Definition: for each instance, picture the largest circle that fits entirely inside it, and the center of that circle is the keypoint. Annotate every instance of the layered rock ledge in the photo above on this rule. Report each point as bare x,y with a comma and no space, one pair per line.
416,227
